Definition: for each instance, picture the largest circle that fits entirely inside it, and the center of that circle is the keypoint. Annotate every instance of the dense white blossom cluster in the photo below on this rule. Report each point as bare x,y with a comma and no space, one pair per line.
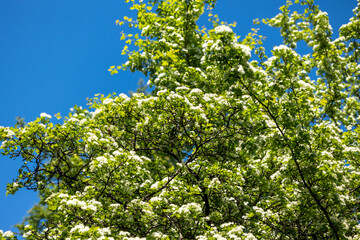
7,234
45,115
223,29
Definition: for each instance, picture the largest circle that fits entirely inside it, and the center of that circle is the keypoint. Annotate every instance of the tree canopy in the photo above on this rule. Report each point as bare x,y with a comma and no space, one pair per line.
230,144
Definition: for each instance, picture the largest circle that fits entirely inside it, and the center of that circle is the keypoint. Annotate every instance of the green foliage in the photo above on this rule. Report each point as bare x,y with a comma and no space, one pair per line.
225,147
142,88
20,122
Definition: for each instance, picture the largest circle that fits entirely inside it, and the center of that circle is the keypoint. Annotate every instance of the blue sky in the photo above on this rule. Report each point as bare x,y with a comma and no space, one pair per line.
55,54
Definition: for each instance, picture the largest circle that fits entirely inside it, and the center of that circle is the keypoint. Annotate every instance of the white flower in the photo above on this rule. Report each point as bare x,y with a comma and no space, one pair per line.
185,209
215,182
8,234
159,235
73,119
245,49
250,236
104,231
281,47
45,115
124,96
97,111
90,205
102,160
155,199
182,88
155,185
92,137
123,234
224,225
107,101
3,144
241,69
9,133
114,205
80,228
223,29
270,61
196,91
25,235
116,153
201,238
275,175
161,92
218,237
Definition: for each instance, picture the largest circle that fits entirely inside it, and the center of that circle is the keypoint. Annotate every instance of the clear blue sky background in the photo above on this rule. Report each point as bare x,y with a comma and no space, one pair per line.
55,54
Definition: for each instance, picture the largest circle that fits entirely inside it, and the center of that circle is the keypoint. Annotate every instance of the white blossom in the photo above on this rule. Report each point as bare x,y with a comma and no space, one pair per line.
108,101
241,69
8,234
92,137
186,209
104,231
223,29
281,47
80,228
26,234
45,115
156,199
123,96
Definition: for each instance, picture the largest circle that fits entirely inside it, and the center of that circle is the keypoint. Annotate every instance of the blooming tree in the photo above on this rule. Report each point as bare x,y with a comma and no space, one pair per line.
231,144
